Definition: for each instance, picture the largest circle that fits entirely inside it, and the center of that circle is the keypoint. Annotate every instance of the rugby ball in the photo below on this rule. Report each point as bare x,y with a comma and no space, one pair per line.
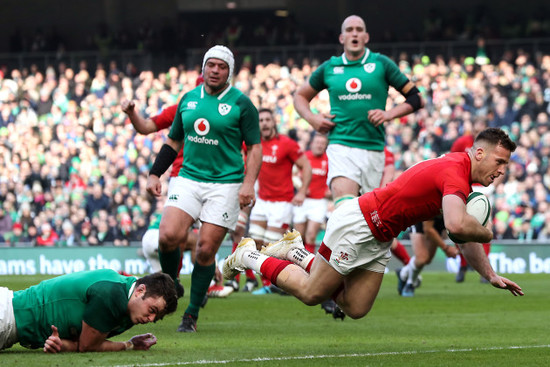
479,207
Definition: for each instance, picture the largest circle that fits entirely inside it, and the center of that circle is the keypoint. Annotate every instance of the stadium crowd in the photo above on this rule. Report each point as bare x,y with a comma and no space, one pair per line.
74,170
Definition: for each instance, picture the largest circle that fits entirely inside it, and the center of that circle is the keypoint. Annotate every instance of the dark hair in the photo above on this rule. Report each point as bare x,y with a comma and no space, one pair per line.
496,136
161,285
265,110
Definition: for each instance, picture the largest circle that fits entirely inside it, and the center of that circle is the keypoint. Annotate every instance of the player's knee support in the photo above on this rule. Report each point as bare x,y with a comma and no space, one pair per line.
256,231
271,236
242,220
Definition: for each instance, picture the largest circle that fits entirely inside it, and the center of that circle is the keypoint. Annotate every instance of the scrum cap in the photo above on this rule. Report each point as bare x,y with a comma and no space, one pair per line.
222,53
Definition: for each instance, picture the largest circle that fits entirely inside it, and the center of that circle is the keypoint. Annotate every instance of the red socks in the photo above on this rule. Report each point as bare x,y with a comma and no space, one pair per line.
271,268
401,253
310,247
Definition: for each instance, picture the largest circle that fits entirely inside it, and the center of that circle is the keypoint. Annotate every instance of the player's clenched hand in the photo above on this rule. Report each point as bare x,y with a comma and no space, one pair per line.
322,122
154,186
298,199
144,341
53,344
127,106
451,251
247,196
378,117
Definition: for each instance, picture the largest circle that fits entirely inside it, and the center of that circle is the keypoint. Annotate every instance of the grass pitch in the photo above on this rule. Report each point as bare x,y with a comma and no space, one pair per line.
445,324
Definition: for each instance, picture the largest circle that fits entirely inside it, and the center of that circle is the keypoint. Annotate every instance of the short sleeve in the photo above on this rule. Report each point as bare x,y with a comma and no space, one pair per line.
394,76
317,78
106,306
176,131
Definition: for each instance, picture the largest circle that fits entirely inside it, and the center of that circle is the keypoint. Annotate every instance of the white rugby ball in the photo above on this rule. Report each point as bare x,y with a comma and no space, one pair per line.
479,207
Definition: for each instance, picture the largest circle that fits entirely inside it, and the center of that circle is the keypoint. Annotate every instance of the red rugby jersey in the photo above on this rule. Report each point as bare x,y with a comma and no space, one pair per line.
416,195
275,177
319,170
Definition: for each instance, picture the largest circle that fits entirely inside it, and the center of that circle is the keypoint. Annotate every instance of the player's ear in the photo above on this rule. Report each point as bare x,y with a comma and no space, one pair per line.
140,290
367,38
341,38
479,153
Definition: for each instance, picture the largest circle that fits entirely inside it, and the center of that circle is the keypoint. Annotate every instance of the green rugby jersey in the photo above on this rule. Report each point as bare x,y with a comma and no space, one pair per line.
98,297
213,129
355,87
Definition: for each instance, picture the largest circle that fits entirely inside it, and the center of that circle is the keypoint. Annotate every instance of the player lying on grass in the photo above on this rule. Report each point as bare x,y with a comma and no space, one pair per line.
78,312
351,260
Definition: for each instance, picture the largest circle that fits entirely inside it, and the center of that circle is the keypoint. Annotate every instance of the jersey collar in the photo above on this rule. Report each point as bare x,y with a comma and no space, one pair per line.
363,60
131,290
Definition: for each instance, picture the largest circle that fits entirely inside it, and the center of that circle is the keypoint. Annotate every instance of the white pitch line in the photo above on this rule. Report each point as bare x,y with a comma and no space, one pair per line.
312,357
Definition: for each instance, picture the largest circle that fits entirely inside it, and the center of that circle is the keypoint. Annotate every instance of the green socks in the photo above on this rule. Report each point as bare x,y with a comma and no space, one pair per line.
200,281
170,262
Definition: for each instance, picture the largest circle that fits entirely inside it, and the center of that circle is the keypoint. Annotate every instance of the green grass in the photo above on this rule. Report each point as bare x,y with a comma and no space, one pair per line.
445,324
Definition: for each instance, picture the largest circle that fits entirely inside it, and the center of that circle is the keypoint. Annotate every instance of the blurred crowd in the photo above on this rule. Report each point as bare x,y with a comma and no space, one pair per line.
73,169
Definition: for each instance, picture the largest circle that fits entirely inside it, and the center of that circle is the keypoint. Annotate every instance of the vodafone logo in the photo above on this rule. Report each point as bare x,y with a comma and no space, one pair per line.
202,126
353,85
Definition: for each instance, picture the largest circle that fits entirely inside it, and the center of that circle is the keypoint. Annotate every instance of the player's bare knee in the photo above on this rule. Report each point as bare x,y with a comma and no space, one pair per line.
310,300
168,241
205,254
312,297
356,315
356,312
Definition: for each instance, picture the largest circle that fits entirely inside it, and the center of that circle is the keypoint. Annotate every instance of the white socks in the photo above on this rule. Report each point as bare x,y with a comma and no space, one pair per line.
407,271
253,260
410,272
300,257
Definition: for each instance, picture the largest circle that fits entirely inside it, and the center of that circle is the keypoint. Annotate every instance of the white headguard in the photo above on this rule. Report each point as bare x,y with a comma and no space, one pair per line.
222,53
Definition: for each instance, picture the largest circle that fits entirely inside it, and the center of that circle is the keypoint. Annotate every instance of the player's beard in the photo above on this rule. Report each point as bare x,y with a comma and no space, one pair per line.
216,88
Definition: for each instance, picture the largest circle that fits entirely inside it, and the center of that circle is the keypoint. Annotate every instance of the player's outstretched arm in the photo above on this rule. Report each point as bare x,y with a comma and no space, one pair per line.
93,340
474,254
141,124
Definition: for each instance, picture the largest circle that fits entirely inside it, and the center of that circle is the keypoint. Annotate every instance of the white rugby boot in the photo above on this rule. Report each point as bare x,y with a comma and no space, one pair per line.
291,240
233,263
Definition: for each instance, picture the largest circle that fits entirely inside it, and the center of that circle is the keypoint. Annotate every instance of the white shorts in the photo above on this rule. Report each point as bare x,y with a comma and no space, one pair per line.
8,330
213,203
312,209
150,246
349,244
360,165
276,213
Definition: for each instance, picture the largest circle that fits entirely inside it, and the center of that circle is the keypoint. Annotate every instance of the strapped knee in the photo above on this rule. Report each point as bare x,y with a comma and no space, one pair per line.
256,232
271,236
242,220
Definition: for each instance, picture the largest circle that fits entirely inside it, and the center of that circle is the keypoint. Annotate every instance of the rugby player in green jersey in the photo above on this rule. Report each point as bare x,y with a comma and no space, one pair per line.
357,82
78,312
213,120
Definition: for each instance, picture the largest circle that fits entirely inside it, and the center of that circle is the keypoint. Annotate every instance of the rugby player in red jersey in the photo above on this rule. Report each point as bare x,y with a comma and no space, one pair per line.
272,213
353,256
